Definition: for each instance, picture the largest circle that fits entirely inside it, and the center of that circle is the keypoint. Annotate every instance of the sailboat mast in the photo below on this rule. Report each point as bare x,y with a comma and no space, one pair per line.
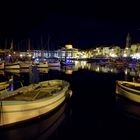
48,45
5,44
12,44
42,49
29,48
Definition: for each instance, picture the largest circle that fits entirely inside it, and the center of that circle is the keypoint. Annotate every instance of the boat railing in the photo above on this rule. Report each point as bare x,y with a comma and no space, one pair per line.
7,92
6,88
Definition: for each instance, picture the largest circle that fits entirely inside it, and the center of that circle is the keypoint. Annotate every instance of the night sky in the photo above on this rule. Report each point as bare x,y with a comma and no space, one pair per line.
85,24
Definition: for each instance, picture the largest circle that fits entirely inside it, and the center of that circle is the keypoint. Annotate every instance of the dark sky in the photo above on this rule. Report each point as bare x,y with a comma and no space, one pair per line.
84,24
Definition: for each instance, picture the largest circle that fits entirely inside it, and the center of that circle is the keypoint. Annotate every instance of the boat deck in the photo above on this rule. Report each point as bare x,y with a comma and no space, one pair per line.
31,93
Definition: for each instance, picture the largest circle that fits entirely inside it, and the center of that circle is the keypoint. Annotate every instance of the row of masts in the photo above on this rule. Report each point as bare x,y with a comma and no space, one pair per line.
18,46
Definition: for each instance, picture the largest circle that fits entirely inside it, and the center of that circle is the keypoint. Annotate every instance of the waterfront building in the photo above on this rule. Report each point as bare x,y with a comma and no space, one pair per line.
67,51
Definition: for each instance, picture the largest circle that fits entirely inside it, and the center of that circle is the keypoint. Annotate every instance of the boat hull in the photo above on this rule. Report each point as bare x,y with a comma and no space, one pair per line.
129,93
25,65
55,64
42,65
42,127
12,66
18,111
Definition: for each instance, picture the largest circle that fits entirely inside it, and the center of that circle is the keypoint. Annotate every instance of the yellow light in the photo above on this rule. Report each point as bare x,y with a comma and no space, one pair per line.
29,55
68,71
68,46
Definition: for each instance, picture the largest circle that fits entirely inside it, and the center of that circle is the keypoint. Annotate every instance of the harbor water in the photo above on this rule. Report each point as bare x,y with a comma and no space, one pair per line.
93,112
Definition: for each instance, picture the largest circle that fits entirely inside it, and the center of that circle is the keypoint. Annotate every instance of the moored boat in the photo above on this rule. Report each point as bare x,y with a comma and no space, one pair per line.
25,64
53,62
67,62
32,101
12,65
42,64
130,90
42,127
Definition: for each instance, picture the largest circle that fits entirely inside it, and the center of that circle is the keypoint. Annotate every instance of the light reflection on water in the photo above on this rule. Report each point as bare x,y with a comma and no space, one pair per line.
94,110
130,73
96,67
127,107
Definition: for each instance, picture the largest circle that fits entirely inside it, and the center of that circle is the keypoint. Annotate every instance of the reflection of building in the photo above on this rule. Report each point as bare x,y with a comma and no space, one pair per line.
33,74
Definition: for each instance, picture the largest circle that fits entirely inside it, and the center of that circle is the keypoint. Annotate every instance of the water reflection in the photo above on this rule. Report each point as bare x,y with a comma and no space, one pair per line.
132,71
43,70
87,83
55,68
14,71
2,72
127,107
33,75
95,67
68,69
104,68
41,128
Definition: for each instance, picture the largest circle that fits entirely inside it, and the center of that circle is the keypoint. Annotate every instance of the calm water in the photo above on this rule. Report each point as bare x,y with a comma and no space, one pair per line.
94,111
